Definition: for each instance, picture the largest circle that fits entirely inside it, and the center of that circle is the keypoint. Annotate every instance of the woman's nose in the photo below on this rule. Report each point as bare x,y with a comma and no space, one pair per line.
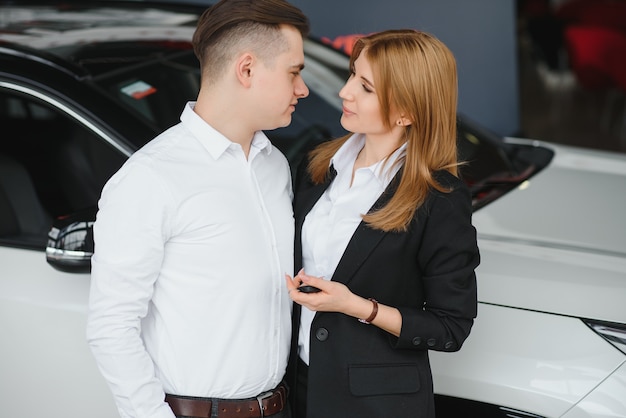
344,93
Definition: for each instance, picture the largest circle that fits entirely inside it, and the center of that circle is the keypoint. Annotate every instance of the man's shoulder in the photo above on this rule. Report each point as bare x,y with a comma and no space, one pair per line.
151,156
163,141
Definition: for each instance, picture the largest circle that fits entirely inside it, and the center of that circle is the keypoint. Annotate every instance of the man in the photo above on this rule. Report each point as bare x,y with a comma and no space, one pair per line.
189,315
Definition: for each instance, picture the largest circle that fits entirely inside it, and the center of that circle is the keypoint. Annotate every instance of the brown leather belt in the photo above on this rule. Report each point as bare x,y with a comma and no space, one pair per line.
264,405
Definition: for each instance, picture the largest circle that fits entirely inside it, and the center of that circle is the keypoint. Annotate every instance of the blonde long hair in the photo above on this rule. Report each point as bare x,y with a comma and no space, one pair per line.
415,73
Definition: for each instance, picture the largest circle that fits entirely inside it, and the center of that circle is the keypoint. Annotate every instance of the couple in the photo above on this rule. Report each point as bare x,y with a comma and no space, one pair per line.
192,287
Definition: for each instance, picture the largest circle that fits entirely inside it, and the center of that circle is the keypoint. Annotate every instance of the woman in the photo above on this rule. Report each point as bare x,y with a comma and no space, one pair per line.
383,230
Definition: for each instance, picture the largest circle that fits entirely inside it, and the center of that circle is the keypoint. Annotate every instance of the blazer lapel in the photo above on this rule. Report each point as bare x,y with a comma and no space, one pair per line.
364,239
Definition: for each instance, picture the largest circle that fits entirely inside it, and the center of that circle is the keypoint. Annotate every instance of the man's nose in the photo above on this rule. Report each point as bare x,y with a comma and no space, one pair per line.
301,89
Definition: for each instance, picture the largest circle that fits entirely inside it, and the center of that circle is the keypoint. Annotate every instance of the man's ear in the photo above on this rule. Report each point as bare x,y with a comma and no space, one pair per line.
243,68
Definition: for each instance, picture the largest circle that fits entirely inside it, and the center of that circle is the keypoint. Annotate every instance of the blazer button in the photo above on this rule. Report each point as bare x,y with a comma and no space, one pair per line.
448,344
431,342
321,334
417,341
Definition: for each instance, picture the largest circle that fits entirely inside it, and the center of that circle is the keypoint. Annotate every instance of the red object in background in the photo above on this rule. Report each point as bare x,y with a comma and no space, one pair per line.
597,56
343,43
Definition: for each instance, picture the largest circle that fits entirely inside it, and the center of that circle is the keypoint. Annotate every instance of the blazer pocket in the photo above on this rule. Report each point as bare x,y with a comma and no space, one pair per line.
371,380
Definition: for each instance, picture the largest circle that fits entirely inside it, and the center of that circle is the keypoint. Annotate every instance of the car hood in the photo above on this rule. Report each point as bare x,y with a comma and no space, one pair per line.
557,243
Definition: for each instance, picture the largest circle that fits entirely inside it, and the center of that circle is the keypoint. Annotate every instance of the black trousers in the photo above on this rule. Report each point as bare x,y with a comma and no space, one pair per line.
302,380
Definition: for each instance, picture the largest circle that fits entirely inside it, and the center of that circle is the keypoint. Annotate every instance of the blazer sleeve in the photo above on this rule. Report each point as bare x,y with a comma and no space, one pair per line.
447,258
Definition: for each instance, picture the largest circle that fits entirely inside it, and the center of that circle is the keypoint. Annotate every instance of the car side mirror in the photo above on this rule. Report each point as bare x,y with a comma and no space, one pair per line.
70,242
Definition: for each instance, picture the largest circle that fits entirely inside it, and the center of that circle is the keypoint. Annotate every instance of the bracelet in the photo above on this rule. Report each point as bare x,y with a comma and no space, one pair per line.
373,314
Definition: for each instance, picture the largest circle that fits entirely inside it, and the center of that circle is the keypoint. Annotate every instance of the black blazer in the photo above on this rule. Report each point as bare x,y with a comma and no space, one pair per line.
359,370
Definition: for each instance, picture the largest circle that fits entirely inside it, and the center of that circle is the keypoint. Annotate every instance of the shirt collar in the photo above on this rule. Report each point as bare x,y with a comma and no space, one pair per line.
212,140
345,156
383,170
260,142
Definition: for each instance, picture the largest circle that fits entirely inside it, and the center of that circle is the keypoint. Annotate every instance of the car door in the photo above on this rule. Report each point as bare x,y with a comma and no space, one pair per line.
51,164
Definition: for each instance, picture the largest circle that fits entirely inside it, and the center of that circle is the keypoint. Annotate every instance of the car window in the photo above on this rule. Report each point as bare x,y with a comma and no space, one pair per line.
50,166
158,86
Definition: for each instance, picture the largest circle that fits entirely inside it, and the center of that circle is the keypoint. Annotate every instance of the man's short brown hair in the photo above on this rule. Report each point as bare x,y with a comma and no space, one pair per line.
230,25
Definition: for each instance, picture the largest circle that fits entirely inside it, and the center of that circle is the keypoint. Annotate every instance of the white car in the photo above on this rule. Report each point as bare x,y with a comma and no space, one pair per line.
84,86
550,337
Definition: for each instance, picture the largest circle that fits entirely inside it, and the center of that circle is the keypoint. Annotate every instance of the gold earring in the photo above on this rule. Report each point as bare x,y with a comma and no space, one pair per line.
399,123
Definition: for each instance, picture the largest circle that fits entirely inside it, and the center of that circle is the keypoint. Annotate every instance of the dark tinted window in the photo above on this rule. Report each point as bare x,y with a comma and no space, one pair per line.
50,166
157,87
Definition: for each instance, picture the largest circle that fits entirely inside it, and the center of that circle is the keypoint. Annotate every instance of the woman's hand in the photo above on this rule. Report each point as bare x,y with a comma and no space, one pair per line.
332,297
336,297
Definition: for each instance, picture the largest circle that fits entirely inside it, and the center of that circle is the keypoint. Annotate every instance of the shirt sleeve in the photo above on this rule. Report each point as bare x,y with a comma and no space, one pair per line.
129,233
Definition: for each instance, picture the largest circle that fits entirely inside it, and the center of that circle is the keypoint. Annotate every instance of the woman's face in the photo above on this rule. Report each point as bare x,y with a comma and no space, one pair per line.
361,108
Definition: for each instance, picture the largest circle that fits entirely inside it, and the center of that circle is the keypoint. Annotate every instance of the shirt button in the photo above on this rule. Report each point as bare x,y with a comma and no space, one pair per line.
321,334
417,341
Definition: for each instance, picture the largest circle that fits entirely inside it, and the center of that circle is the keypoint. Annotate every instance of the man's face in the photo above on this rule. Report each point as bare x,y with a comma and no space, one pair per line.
280,85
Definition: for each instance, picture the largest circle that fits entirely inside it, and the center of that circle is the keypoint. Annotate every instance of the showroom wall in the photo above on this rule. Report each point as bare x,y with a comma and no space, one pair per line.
481,34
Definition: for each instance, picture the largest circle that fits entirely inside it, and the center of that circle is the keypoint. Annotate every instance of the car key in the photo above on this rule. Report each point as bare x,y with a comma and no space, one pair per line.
308,289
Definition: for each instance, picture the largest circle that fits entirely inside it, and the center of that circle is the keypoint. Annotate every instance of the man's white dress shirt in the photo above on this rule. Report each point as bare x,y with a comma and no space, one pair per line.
188,296
330,224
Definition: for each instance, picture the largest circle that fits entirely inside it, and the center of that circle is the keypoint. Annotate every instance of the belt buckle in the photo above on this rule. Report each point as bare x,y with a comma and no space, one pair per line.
260,399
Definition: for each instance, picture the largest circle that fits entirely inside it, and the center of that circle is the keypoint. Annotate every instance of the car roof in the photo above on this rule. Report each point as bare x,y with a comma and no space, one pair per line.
64,34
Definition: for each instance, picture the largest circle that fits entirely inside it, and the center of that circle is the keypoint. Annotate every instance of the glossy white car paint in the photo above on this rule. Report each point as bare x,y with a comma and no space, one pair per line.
42,320
606,401
565,230
553,251
530,361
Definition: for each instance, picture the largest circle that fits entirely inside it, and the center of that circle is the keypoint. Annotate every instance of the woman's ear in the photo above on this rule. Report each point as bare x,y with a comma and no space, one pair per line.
403,121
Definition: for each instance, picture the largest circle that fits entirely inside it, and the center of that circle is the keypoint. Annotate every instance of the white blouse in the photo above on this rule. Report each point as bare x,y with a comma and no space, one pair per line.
330,224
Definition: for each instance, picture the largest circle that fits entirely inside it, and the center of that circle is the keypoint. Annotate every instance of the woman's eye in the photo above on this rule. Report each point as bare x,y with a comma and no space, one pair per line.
367,89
